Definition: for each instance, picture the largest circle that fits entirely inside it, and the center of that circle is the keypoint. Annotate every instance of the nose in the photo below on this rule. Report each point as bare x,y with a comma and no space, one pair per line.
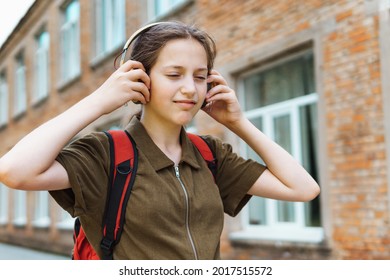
188,88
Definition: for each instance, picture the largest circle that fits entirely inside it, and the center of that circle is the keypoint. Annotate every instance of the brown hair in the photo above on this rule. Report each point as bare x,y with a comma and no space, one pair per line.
149,43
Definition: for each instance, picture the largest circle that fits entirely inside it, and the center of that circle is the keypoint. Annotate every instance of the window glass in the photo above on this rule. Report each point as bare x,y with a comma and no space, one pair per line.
41,66
110,25
158,8
20,98
70,42
283,82
20,201
3,204
41,210
3,100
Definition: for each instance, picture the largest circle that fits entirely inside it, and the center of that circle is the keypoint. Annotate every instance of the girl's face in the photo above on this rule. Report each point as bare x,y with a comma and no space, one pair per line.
178,83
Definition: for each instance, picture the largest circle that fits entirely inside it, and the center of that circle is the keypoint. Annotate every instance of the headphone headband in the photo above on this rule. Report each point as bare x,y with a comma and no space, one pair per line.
134,36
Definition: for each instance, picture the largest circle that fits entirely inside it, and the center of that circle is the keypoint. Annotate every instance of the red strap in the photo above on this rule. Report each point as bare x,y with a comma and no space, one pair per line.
122,146
123,150
202,146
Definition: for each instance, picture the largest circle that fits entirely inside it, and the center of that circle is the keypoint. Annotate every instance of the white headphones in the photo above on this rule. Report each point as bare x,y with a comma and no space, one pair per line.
134,36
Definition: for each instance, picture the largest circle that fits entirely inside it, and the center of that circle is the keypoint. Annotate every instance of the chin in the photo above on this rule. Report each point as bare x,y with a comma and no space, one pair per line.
184,120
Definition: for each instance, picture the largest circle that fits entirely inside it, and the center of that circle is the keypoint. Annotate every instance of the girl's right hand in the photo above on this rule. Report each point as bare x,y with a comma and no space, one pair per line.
128,83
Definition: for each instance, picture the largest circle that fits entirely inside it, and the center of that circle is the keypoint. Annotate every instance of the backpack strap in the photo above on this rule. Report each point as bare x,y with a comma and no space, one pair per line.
206,152
123,167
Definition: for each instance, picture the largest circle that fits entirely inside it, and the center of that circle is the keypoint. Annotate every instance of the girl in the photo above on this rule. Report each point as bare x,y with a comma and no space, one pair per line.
176,209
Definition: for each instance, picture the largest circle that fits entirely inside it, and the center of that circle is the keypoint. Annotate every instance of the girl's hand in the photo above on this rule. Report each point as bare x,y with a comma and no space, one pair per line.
128,83
222,104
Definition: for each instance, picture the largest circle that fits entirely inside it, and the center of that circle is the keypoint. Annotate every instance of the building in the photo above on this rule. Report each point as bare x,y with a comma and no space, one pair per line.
313,75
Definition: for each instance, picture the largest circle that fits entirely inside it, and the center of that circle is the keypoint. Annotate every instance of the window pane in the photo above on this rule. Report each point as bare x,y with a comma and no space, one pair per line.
258,122
3,100
257,214
252,92
282,132
41,217
20,218
283,82
308,119
164,6
70,44
41,66
286,211
3,204
20,98
109,25
72,12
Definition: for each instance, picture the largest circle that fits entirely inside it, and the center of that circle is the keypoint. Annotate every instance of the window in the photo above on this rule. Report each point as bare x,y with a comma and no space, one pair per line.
3,204
41,210
158,8
110,25
20,98
70,42
281,101
3,100
20,218
41,67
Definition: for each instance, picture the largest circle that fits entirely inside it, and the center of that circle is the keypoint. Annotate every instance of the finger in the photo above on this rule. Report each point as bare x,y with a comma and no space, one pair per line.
222,95
141,88
139,75
138,96
216,90
216,80
131,64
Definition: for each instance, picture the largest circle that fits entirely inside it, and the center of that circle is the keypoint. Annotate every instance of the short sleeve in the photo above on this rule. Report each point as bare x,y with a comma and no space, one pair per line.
235,175
86,161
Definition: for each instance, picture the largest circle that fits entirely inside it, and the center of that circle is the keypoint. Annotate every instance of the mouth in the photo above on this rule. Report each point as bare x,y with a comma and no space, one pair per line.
185,104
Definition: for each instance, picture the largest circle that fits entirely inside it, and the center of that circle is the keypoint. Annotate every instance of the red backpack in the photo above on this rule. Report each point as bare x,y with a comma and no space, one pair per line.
123,158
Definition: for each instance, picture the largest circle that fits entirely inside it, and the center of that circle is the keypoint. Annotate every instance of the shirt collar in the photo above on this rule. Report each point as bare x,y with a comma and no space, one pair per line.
155,156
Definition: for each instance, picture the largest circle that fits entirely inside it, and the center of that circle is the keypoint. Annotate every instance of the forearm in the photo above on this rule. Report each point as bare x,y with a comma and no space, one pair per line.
278,161
36,152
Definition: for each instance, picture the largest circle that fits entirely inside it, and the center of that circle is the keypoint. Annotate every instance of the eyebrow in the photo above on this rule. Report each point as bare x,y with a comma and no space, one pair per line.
181,67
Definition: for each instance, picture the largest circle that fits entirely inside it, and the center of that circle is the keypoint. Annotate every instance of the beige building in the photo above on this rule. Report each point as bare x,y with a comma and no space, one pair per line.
313,75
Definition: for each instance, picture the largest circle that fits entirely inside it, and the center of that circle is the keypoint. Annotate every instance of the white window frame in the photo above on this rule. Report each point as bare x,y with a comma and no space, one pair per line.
110,26
20,96
70,46
20,209
41,210
4,198
168,6
41,90
3,100
279,231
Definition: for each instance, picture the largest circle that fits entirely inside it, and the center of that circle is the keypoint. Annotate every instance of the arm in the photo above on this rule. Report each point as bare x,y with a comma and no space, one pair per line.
285,178
31,164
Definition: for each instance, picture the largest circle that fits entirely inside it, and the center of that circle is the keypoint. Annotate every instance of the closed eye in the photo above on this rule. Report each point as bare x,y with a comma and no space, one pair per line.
173,75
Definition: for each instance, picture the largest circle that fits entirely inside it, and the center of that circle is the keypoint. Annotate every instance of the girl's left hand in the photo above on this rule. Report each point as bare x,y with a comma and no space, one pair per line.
222,104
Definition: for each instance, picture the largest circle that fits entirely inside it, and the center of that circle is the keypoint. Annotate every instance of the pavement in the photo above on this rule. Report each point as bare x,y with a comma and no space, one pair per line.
11,252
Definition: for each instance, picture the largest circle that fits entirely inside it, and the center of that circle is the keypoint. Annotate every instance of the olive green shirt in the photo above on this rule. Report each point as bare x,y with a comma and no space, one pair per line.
164,218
